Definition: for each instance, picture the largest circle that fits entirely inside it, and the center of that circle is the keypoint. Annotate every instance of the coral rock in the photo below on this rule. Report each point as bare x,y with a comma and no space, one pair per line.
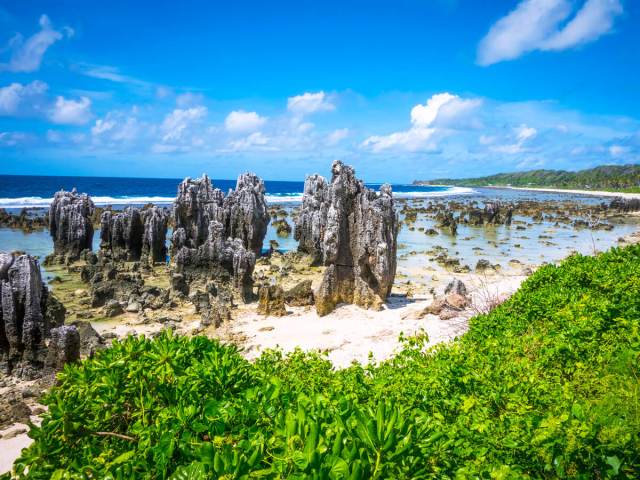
64,347
25,320
217,237
353,231
133,235
154,238
271,301
70,224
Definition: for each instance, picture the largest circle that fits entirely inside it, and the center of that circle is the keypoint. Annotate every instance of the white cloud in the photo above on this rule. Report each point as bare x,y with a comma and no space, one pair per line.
540,25
189,99
102,126
19,99
337,136
618,150
26,55
522,134
442,113
593,20
177,122
240,121
442,110
71,112
413,140
117,127
11,139
257,140
309,103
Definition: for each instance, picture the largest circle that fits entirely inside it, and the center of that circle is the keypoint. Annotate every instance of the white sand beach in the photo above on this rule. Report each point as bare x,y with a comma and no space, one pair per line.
593,193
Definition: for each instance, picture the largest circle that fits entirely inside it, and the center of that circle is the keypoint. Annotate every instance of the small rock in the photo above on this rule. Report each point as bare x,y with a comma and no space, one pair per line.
271,301
457,301
133,307
113,308
483,265
456,286
14,433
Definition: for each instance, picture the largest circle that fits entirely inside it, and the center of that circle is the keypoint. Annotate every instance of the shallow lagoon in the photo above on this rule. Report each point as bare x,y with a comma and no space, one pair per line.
498,244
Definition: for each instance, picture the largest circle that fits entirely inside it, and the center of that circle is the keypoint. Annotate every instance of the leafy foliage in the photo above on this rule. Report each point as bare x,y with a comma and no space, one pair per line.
545,386
606,177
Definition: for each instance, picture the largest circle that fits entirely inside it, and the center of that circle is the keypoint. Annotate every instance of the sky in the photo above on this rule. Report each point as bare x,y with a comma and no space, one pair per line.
402,90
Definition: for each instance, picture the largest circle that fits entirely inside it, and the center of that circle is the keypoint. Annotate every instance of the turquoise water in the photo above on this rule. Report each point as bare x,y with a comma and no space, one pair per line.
495,244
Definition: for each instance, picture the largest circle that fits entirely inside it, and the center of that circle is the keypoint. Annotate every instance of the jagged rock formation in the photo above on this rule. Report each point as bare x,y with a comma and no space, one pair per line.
245,212
625,204
133,235
219,237
70,224
353,231
154,237
226,260
300,295
121,234
311,222
271,301
493,213
28,314
63,348
446,221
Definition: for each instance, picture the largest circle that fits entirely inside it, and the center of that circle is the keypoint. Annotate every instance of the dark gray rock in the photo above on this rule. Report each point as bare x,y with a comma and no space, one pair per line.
217,237
196,206
121,234
63,348
134,234
312,221
90,340
154,238
225,260
112,308
456,286
245,212
353,231
70,224
22,327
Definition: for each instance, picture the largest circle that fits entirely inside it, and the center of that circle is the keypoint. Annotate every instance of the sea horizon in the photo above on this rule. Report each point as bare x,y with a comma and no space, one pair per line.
36,191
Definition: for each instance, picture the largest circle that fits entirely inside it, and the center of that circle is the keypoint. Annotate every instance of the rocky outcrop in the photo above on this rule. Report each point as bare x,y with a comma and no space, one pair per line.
300,295
63,348
25,319
121,234
154,237
447,222
245,212
271,301
226,260
625,204
218,237
353,231
70,224
134,235
312,221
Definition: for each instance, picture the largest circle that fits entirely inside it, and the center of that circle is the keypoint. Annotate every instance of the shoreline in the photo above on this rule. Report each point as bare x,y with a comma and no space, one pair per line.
592,193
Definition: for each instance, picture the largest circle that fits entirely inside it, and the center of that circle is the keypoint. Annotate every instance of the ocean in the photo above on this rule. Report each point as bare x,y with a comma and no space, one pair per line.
497,245
18,191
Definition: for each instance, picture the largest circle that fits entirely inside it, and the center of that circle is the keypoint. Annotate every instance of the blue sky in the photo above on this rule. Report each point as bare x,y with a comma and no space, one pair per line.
402,89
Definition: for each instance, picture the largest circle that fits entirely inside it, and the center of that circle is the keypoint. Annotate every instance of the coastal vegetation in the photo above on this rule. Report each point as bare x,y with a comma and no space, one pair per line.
623,178
544,386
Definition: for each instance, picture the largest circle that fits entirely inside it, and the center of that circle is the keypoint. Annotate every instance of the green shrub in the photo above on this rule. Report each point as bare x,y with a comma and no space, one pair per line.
545,386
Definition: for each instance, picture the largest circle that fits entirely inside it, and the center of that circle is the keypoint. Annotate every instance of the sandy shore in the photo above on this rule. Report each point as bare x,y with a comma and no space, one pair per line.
11,447
351,333
593,193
